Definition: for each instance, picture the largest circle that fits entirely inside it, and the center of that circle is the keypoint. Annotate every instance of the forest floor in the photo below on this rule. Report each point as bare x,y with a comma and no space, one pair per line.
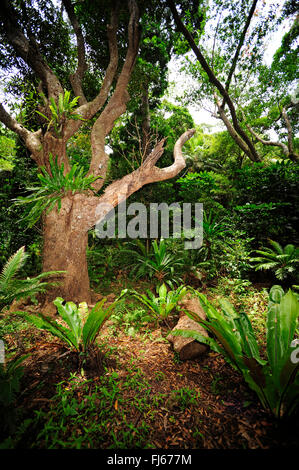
134,392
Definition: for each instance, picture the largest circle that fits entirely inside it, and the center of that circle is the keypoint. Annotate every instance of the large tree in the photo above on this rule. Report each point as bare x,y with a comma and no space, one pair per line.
28,40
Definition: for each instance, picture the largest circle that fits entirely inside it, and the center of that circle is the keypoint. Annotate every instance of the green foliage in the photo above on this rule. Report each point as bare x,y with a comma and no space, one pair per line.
53,187
263,218
91,413
79,334
266,200
13,184
283,261
276,381
183,398
129,317
196,185
224,250
10,377
62,112
12,288
162,305
7,153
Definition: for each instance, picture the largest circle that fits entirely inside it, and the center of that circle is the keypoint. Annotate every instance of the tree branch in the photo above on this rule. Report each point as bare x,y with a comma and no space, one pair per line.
88,110
213,80
239,141
239,47
76,78
290,131
30,139
117,103
288,150
28,50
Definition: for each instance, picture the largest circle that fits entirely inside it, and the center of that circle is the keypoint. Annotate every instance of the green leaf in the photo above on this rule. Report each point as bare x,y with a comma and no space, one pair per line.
47,323
69,313
94,322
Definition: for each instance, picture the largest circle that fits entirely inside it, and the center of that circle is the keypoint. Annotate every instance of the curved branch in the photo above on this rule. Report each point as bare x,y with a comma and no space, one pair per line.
30,139
121,189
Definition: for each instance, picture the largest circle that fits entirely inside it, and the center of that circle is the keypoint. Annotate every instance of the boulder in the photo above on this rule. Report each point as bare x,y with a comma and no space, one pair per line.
189,348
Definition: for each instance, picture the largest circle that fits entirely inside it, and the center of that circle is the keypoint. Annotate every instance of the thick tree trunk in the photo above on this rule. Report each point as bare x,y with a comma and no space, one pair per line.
65,243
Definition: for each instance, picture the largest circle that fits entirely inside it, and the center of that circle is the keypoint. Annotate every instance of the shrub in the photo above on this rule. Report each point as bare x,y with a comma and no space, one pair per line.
283,261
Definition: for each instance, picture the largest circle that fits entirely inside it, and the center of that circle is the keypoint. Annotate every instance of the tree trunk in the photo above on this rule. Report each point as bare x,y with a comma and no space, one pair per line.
65,243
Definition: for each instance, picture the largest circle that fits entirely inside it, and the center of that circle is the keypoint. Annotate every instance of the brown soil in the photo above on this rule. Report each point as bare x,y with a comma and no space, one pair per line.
221,416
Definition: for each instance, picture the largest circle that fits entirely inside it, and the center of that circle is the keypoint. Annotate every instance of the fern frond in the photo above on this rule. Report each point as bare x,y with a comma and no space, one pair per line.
12,266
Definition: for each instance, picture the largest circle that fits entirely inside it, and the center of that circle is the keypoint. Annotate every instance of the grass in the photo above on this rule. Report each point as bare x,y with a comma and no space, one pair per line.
111,412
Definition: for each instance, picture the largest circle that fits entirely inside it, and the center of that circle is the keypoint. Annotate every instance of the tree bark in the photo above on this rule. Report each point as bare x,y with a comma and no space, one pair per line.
65,244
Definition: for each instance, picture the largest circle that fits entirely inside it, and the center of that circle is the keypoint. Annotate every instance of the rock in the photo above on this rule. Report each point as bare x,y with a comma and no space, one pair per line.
188,348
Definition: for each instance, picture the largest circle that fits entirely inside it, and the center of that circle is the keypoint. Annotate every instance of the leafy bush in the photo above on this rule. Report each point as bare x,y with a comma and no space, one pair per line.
79,334
264,218
267,200
275,381
16,289
155,261
196,185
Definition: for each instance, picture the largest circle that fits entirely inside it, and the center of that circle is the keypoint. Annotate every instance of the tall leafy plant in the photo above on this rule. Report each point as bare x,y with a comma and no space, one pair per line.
275,380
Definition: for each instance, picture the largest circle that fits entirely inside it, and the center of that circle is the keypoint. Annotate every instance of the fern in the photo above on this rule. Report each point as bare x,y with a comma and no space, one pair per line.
282,260
12,288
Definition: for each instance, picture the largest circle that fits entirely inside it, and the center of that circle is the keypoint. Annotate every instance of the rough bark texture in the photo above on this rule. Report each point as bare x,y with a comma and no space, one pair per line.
188,348
65,244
